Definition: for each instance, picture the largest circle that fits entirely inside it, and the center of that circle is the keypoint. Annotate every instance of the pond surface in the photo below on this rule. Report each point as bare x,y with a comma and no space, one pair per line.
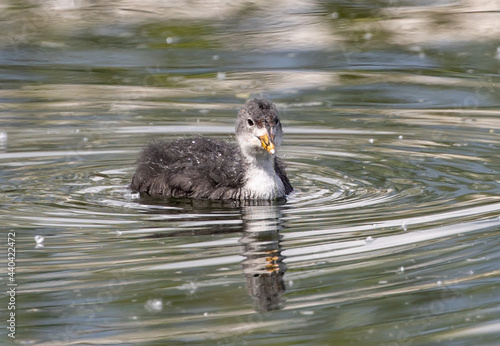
392,134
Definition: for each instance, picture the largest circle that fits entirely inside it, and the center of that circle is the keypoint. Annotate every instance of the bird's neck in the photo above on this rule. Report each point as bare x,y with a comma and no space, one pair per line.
261,179
261,160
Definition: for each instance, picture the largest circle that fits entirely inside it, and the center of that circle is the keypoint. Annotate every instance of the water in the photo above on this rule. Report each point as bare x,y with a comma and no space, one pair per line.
391,121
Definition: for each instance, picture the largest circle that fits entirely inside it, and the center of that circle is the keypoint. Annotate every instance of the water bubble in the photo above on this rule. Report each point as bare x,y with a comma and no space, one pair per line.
404,226
3,139
206,314
369,240
192,287
307,312
221,75
215,57
132,195
118,232
39,241
335,15
402,269
154,305
371,140
439,283
400,137
368,36
169,40
416,49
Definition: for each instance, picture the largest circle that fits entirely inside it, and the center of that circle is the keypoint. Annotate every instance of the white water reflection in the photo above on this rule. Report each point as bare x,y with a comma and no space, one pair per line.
398,242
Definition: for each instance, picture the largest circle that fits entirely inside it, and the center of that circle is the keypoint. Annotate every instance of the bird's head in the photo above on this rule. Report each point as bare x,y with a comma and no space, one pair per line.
258,128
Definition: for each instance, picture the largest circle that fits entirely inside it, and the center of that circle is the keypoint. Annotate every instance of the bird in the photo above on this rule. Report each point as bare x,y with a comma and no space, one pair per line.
214,169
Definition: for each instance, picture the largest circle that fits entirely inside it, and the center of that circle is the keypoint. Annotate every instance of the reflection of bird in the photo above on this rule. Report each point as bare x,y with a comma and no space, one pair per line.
264,266
202,167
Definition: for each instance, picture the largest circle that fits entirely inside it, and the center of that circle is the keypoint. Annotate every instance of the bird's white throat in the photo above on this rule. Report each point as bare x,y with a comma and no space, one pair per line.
262,182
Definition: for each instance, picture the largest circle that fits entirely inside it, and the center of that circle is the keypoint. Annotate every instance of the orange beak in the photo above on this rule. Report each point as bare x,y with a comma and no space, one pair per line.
267,143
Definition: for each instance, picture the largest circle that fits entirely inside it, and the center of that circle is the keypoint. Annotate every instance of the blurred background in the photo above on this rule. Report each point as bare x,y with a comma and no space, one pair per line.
391,121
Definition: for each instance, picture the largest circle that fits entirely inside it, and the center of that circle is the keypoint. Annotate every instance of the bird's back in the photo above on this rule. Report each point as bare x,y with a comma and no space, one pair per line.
196,167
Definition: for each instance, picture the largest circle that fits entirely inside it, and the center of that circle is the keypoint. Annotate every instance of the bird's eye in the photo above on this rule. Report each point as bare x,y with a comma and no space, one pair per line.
250,122
276,121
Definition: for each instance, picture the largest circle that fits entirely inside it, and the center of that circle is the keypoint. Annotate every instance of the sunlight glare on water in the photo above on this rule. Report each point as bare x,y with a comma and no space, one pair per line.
391,136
